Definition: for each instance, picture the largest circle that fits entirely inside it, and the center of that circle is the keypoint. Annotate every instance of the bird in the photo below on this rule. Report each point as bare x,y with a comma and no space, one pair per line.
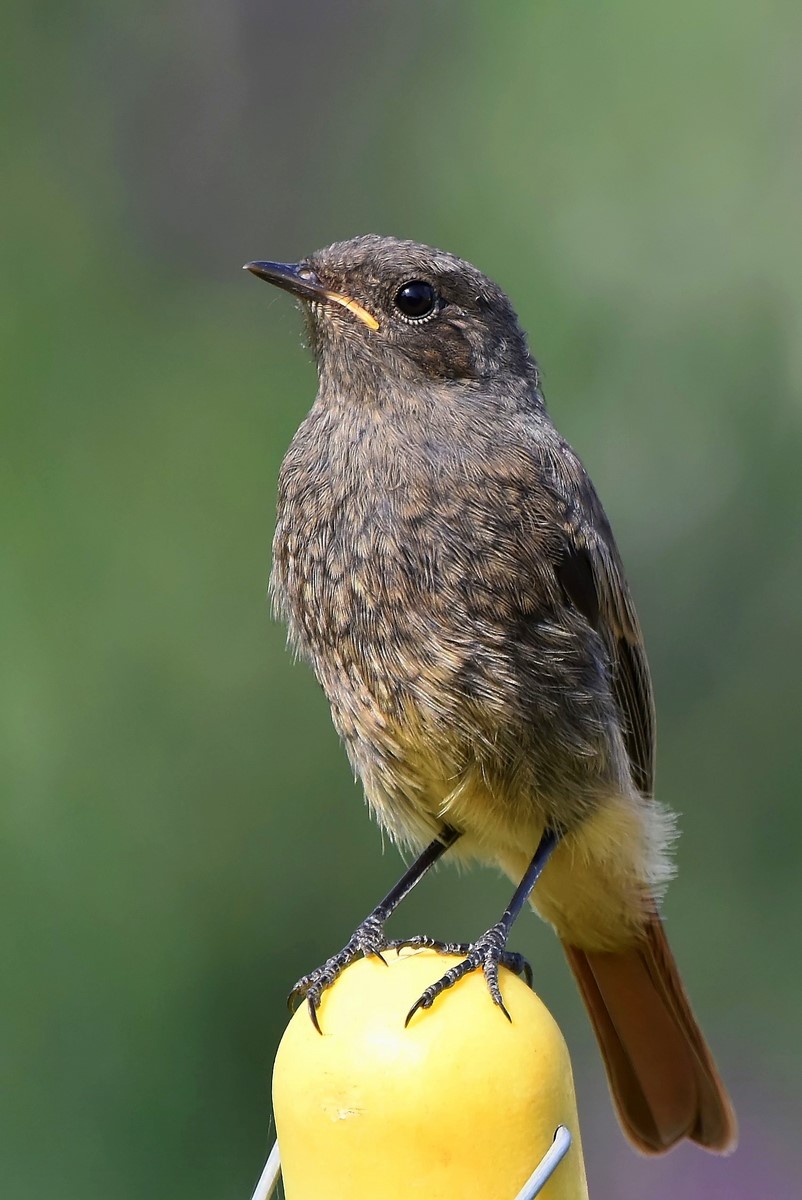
442,561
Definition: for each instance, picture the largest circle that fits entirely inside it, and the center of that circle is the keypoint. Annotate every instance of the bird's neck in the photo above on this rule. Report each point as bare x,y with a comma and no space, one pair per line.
366,385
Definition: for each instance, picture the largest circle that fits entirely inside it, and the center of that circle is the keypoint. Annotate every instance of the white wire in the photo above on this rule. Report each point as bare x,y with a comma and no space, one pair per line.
269,1177
547,1165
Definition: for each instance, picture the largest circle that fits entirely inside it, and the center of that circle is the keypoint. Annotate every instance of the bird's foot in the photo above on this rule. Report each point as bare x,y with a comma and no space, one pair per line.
488,952
367,939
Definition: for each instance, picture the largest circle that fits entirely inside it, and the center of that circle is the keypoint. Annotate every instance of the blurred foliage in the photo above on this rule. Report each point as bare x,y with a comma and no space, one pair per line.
180,835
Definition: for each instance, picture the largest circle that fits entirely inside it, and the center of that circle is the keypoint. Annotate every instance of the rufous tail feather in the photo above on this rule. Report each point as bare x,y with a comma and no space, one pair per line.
661,1073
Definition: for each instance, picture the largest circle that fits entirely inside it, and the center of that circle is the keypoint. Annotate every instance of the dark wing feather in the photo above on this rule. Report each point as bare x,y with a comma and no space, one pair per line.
591,576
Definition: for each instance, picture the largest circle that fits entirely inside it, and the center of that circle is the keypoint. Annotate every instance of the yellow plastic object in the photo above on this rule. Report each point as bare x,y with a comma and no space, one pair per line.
461,1104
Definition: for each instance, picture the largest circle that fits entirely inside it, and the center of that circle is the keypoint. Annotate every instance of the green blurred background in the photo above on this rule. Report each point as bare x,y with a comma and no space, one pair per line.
181,837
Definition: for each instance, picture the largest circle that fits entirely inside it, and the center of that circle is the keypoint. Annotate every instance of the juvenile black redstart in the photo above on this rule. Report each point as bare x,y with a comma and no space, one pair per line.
443,562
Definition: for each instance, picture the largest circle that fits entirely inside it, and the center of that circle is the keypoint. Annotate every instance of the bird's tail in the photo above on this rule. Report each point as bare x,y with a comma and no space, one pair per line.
661,1073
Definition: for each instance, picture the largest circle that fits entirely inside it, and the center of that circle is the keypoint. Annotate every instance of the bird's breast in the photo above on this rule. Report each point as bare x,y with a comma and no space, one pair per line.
420,591
391,558
354,573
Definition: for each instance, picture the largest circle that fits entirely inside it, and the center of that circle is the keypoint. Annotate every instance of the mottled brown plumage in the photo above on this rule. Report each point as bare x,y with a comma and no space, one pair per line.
443,562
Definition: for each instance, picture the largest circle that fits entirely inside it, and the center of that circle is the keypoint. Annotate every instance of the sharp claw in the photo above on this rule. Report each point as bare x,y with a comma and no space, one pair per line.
312,1007
419,1004
295,997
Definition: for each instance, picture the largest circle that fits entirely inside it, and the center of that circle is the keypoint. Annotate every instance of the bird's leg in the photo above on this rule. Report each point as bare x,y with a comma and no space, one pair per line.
489,951
368,938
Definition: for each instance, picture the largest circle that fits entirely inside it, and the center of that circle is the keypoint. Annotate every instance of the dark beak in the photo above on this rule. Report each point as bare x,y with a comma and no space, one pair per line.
302,281
291,277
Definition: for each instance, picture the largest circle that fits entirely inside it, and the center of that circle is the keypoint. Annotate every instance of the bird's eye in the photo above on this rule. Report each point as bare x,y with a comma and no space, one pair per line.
416,299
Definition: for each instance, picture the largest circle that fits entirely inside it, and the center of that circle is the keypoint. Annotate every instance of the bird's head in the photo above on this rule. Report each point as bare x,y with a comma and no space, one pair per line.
379,308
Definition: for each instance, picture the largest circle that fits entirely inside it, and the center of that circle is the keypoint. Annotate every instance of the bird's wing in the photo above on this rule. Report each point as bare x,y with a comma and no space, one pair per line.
591,576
